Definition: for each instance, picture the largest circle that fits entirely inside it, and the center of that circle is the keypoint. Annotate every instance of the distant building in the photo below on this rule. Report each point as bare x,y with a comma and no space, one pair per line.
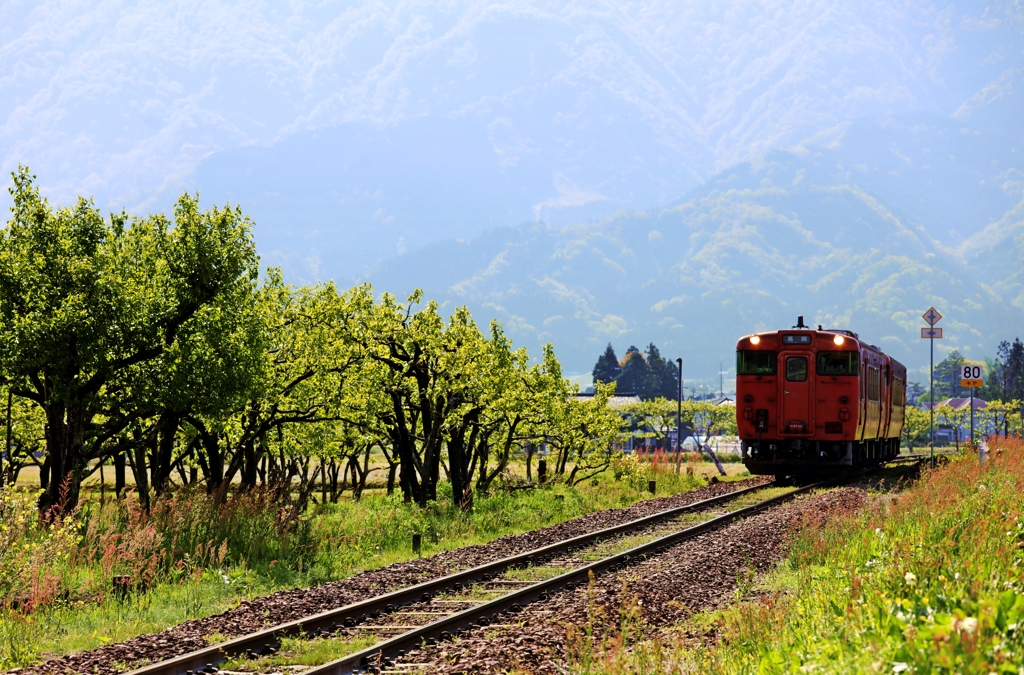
957,403
617,401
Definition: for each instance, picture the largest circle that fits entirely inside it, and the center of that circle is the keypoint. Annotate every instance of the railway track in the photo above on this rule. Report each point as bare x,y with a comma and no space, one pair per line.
416,615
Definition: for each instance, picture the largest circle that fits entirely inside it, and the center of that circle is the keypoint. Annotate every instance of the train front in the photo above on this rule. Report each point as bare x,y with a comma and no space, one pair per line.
796,401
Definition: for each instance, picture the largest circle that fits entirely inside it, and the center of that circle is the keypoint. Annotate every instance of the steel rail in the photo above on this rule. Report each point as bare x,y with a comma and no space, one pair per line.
350,615
374,658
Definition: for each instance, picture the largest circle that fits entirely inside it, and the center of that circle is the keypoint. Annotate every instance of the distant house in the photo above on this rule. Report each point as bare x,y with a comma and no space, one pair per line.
957,403
944,433
617,401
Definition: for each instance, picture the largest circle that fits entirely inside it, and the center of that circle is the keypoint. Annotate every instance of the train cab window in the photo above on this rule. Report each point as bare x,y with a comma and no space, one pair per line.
749,362
796,368
838,363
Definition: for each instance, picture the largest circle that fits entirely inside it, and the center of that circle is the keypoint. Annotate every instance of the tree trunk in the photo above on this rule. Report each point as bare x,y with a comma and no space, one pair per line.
140,471
118,473
44,474
166,429
65,436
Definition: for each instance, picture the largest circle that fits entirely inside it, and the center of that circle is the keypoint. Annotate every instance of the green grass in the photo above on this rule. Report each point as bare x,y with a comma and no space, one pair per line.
301,652
198,558
926,580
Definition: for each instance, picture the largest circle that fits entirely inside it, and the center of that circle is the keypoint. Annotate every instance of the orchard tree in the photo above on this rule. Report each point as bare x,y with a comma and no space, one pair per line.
916,424
84,300
22,432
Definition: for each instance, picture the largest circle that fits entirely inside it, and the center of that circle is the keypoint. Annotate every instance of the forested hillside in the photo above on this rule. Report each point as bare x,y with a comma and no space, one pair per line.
799,233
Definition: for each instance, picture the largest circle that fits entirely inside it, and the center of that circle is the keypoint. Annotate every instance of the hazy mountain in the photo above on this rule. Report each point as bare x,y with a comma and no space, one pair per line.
811,231
733,164
353,131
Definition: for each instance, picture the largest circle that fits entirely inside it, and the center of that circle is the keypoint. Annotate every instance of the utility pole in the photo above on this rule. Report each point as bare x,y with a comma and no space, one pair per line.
721,381
679,413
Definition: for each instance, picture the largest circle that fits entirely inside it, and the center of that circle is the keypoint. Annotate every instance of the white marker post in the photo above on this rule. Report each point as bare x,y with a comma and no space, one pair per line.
970,376
932,316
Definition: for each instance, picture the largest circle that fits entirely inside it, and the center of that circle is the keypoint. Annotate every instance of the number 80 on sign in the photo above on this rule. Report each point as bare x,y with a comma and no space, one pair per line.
970,376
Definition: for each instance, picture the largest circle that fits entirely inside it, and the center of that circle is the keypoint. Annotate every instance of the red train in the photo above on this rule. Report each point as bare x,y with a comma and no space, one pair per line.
815,401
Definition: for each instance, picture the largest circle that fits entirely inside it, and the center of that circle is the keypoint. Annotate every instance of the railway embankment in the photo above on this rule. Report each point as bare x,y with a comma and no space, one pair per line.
924,578
573,513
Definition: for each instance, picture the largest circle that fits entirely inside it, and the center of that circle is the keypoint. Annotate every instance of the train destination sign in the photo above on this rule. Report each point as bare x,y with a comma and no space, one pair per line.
932,316
931,333
970,376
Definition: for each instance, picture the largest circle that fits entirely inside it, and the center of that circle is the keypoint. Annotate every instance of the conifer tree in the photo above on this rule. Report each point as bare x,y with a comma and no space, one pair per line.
635,373
607,368
662,377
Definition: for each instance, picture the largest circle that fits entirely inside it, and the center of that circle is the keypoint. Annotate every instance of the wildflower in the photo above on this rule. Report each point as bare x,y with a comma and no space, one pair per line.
968,625
910,578
899,666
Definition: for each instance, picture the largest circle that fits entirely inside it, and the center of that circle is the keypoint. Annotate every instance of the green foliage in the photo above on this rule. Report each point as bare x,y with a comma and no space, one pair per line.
1005,373
86,301
657,418
916,424
932,581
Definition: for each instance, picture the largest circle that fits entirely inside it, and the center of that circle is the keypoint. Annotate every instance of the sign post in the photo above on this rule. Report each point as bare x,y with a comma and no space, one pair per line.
932,316
970,376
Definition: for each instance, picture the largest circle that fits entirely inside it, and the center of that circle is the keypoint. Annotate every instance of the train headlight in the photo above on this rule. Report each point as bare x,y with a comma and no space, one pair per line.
839,339
755,340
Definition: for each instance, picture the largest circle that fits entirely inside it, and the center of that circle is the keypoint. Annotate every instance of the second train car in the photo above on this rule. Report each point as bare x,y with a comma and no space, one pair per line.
815,402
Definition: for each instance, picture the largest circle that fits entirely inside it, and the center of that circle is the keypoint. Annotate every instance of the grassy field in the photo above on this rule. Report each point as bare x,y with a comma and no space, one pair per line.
191,557
929,579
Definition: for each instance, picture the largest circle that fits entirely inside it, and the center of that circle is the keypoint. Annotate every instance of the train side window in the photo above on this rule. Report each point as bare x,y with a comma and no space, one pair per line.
873,382
899,392
838,363
796,368
749,362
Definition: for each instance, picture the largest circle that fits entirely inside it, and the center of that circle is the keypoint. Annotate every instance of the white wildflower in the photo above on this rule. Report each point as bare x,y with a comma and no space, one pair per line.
968,625
910,578
899,667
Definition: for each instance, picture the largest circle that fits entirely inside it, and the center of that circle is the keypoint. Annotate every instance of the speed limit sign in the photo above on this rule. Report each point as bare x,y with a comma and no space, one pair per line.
970,376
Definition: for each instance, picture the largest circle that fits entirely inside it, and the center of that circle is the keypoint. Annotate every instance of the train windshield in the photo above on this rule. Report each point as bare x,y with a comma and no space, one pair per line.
838,363
796,369
755,363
